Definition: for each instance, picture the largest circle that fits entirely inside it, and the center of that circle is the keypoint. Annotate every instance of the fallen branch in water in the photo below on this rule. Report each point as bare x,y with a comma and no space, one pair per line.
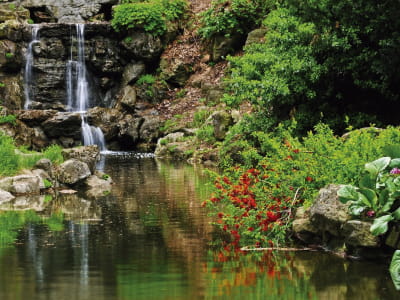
276,248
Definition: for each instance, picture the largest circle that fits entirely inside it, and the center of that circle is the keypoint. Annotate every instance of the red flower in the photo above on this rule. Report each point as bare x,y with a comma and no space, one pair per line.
309,179
250,229
296,150
226,180
220,215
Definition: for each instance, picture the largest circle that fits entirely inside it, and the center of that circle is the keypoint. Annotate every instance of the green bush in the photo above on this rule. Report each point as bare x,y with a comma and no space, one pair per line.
146,79
11,119
150,16
321,60
233,16
206,134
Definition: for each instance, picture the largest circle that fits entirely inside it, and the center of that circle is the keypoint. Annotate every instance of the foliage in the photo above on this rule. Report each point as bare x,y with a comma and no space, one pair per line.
280,171
11,162
375,197
200,116
10,119
9,55
395,269
233,16
146,79
321,60
151,16
206,134
47,183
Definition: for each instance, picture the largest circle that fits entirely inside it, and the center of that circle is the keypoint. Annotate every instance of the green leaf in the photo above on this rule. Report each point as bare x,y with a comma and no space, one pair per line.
396,214
356,209
347,193
380,225
395,163
368,181
383,197
377,165
395,269
392,150
368,197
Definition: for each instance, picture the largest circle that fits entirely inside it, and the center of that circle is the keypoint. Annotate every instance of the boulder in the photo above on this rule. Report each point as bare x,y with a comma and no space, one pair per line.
6,183
44,164
66,11
107,119
150,129
303,229
143,45
72,171
175,70
87,154
132,72
26,184
128,98
327,213
63,124
221,122
129,130
105,55
35,117
357,233
5,197
256,36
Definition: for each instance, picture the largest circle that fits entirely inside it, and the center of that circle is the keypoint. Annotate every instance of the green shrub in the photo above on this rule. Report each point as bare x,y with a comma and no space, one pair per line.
200,116
8,159
53,152
206,134
9,55
11,119
163,142
150,16
233,16
146,79
47,183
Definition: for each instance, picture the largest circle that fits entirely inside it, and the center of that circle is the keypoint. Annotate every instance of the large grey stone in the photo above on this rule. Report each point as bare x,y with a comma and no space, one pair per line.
327,213
132,72
128,98
72,171
5,196
63,124
143,45
69,11
26,184
87,154
357,233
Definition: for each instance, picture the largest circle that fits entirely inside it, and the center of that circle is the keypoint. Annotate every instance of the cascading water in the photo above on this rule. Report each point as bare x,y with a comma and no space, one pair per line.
78,90
28,75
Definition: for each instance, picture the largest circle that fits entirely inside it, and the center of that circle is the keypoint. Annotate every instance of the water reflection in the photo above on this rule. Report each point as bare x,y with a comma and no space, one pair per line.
148,239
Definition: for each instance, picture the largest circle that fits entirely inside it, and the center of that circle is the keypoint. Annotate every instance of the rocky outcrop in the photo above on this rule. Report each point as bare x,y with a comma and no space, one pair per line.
5,197
72,171
87,154
328,223
72,11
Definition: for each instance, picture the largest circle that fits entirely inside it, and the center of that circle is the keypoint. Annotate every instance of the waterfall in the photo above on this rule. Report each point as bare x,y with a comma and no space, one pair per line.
78,90
28,75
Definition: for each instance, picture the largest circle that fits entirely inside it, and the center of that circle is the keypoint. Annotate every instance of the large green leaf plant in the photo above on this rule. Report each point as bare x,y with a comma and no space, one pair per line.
378,197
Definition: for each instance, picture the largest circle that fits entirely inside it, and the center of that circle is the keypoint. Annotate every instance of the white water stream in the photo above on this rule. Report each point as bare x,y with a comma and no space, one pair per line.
28,75
78,91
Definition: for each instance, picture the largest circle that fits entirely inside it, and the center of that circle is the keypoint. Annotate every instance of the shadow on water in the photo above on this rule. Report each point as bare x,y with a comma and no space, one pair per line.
148,239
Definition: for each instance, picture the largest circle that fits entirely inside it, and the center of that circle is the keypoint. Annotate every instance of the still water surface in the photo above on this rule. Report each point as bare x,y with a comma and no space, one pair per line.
148,239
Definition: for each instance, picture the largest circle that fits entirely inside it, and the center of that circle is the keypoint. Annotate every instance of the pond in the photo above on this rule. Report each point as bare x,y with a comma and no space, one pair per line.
149,239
